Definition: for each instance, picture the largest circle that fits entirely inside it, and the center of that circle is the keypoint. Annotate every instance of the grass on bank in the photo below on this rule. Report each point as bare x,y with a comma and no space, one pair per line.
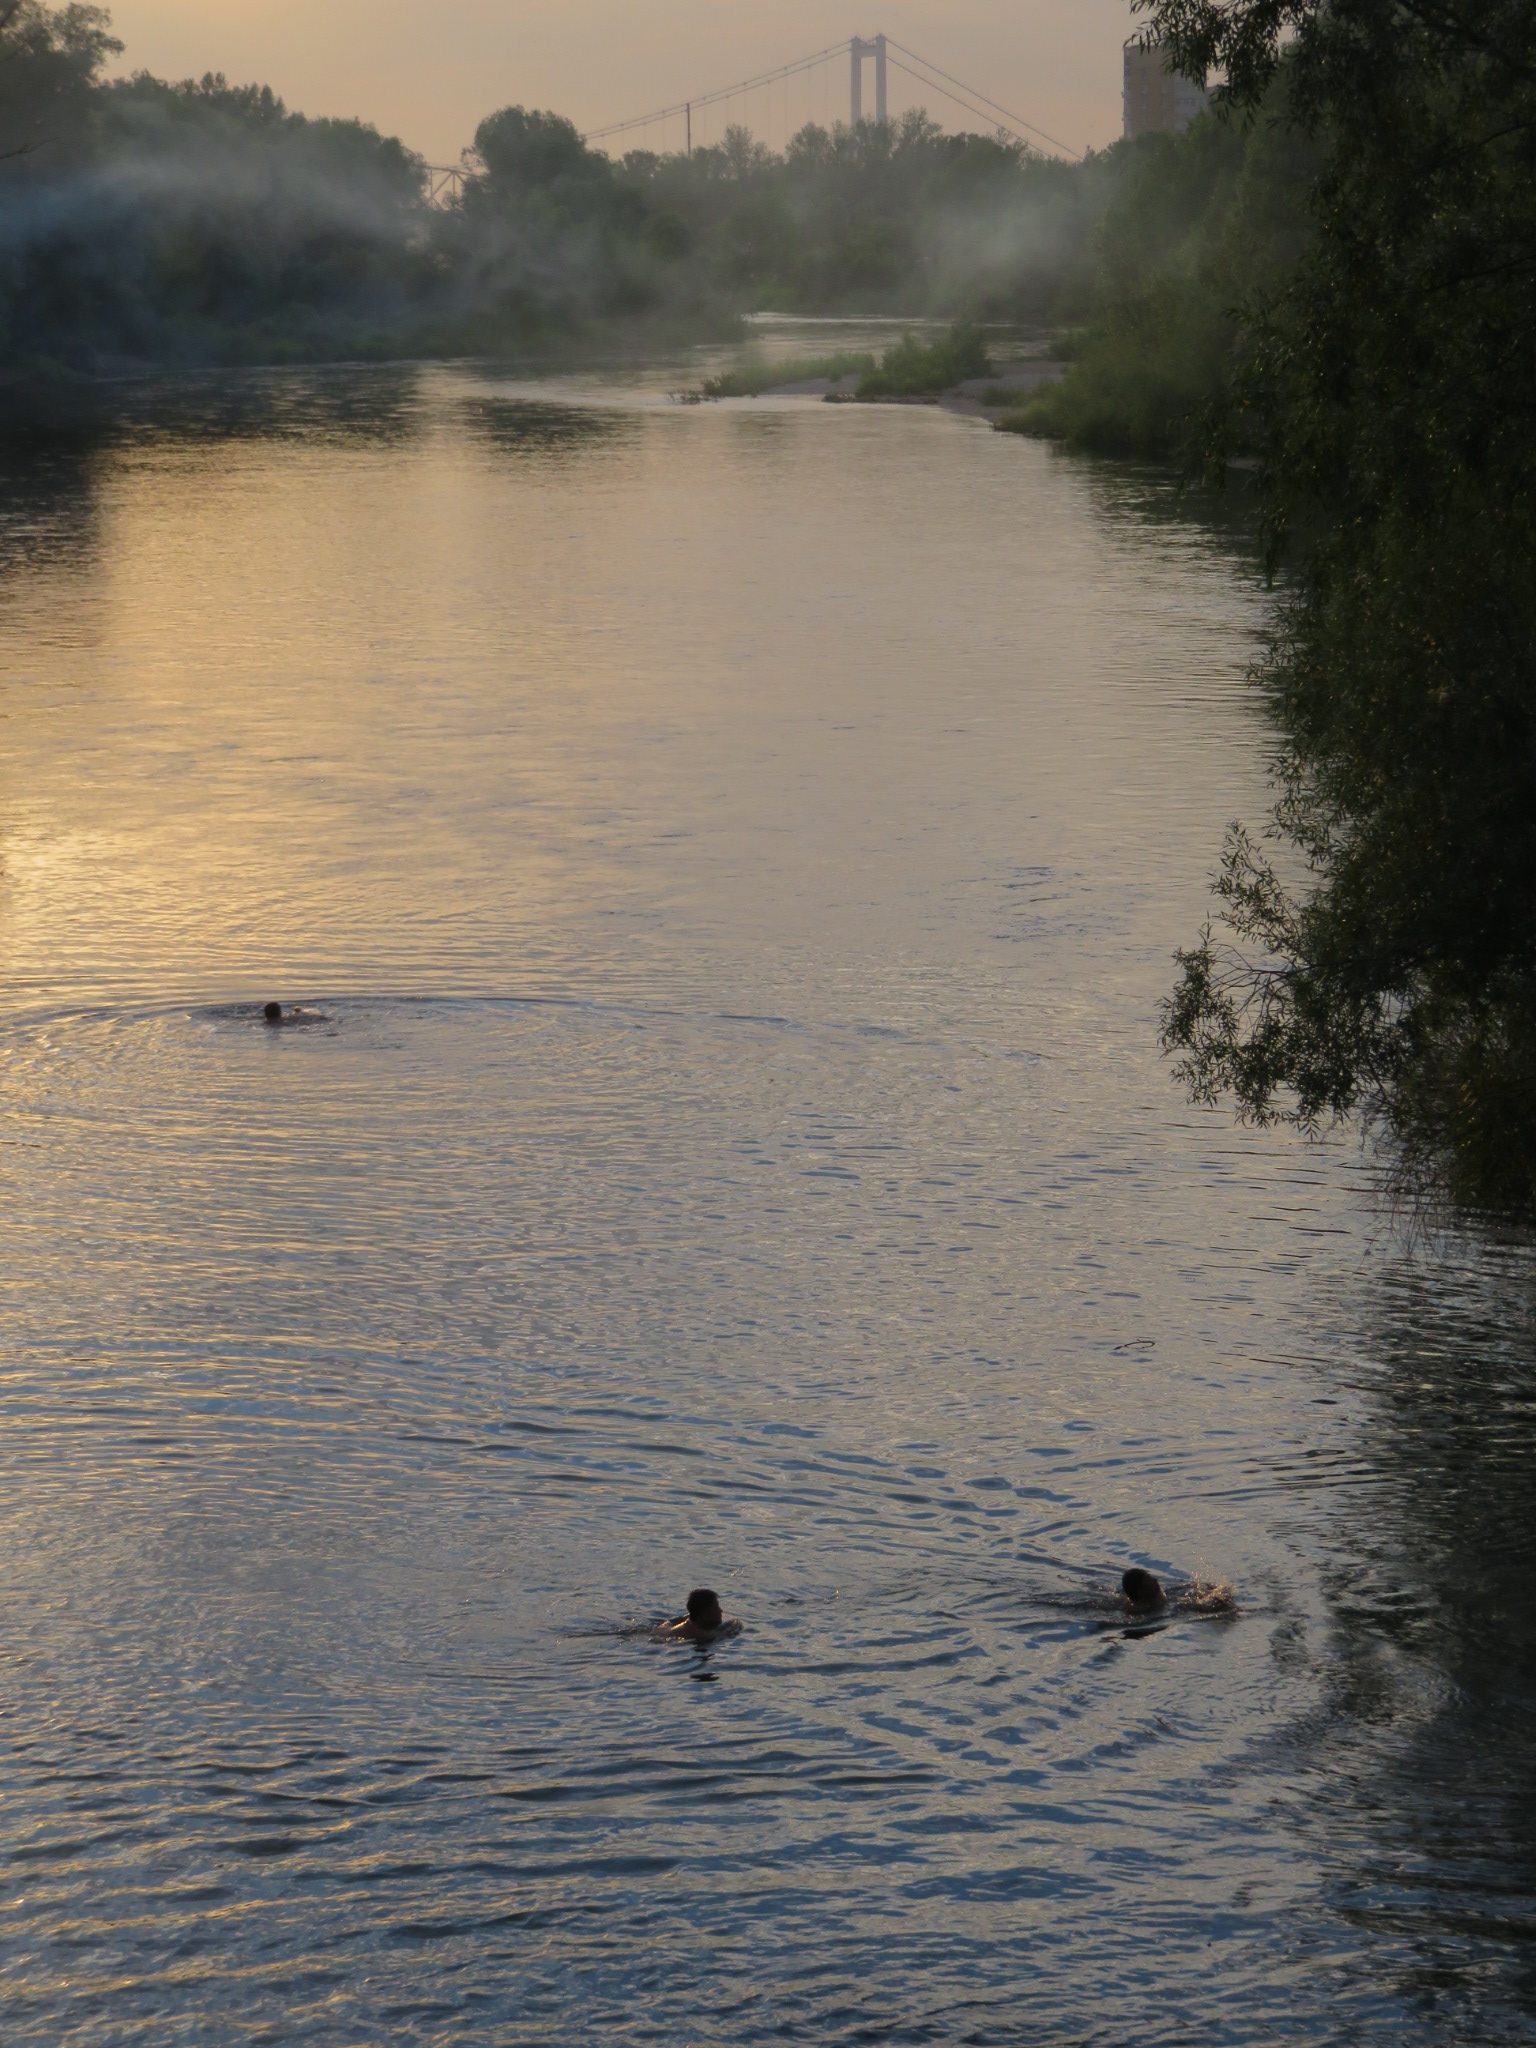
753,379
910,368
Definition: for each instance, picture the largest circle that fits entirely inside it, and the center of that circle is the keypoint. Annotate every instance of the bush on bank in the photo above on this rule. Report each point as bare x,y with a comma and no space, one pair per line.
1382,377
921,369
1198,226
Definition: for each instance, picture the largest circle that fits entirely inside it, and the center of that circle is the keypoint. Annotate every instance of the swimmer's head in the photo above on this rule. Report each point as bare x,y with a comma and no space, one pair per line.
1141,1589
273,1013
704,1608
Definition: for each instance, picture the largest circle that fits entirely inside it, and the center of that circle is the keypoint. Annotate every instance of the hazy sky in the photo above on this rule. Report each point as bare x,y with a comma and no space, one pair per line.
428,70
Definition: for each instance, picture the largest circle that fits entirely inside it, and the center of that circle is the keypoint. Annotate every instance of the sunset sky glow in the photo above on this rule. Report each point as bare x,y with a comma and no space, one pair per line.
429,70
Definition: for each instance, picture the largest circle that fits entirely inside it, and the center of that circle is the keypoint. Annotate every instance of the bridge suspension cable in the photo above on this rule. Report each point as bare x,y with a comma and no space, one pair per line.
726,92
930,75
1015,121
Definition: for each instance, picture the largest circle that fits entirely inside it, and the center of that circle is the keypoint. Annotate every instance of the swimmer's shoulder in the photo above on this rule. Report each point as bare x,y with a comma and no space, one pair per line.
683,1630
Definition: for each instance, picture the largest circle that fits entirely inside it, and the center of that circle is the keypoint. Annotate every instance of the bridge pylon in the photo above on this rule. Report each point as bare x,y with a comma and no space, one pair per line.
860,47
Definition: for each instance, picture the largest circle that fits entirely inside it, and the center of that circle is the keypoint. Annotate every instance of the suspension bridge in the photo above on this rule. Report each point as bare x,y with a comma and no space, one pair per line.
886,55
813,86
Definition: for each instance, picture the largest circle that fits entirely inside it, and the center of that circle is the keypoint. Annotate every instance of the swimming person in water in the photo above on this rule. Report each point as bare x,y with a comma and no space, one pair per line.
1144,1597
272,1014
703,1623
1143,1594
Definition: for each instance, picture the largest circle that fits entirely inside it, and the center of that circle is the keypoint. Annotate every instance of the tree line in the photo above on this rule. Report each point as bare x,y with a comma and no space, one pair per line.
202,221
1335,281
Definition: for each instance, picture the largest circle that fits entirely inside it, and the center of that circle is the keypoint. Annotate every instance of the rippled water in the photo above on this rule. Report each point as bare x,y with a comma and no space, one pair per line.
739,851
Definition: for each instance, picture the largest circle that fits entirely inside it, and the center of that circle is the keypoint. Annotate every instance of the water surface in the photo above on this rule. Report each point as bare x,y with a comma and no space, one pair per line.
740,850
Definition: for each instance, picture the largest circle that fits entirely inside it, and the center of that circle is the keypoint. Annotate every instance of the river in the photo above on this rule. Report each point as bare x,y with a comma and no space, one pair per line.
739,851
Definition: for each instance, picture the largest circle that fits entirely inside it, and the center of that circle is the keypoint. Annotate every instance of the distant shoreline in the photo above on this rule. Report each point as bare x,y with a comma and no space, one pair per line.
50,396
1018,380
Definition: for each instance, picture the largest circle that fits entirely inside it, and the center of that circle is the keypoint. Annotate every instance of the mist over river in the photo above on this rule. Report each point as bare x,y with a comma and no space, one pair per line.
739,849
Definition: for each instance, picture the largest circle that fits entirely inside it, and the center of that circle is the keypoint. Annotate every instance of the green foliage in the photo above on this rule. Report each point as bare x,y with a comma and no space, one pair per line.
50,61
548,234
919,369
1386,387
901,218
752,379
908,369
203,221
191,221
1197,226
524,153
1143,383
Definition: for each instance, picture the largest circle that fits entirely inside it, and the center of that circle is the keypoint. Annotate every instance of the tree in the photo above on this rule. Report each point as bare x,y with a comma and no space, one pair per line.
745,158
50,58
1393,974
525,152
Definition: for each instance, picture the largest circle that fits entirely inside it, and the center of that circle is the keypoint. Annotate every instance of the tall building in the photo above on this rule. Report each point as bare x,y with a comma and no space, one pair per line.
1157,100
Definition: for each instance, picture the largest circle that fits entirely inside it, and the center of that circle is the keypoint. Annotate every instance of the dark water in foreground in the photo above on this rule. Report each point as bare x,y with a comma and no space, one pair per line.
740,848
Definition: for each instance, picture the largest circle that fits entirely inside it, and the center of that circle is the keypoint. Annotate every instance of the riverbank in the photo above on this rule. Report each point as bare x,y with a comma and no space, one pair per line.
41,386
995,388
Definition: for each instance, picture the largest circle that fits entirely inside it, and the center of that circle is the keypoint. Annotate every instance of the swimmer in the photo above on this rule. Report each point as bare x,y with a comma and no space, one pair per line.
272,1015
1142,1596
703,1622
1142,1593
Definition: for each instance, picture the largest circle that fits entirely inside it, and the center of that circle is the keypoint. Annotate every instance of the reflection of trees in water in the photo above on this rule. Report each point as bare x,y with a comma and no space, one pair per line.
1426,1790
1137,495
58,442
56,446
377,406
49,505
525,426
